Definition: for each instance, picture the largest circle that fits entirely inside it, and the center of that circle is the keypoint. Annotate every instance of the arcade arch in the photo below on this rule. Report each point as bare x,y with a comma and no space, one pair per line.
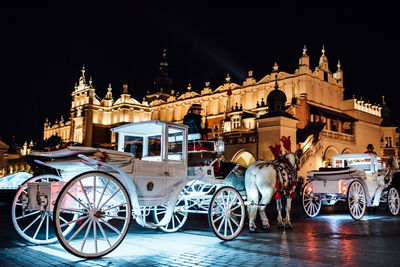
327,158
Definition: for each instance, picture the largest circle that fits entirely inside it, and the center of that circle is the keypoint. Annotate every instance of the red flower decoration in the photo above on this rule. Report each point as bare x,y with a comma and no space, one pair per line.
278,185
229,93
278,195
293,195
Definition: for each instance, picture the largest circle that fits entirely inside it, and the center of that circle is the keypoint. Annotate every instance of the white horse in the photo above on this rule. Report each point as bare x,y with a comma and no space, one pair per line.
271,178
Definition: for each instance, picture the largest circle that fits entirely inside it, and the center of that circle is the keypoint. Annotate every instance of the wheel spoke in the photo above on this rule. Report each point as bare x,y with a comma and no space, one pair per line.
26,228
230,226
234,202
103,233
219,218
225,227
234,222
77,200
86,196
27,215
79,229
113,207
95,234
102,194
73,210
94,191
37,230
73,221
110,198
112,227
115,217
222,222
86,234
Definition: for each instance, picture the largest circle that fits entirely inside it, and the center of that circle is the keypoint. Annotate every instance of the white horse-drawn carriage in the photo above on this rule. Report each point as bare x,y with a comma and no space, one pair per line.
88,206
356,178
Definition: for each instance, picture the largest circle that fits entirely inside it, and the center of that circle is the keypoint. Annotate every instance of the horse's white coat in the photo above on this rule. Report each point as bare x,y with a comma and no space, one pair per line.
262,178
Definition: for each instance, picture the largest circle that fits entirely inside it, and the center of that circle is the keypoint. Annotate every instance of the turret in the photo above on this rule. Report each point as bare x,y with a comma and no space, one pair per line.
304,62
323,61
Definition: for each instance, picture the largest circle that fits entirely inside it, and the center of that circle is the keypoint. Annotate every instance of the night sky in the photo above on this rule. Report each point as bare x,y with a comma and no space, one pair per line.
45,46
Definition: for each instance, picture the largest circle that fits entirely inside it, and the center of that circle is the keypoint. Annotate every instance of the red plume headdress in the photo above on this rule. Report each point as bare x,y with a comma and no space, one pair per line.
286,144
276,150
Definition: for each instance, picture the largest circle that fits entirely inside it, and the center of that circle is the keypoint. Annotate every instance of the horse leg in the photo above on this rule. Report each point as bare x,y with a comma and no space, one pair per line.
288,207
279,208
252,195
266,198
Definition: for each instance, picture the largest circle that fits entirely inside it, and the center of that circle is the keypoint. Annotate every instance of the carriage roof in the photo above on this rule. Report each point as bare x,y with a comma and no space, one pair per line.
147,128
354,156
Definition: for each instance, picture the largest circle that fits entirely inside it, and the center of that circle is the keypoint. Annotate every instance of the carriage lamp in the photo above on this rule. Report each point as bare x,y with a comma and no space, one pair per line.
342,187
309,189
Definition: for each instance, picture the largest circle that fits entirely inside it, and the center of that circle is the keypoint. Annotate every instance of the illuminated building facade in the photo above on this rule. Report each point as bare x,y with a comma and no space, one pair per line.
317,117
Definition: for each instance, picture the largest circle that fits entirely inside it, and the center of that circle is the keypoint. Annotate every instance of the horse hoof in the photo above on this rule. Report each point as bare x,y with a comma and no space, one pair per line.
267,229
252,230
288,226
281,226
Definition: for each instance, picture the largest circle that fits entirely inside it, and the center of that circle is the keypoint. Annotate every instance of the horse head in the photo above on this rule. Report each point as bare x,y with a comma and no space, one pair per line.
294,158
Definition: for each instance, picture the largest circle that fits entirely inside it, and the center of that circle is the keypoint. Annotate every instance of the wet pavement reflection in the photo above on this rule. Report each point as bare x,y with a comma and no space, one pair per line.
332,239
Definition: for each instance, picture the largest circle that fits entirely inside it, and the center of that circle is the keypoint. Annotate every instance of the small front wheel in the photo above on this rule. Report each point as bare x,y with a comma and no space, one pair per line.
393,201
311,205
356,200
104,213
226,213
35,226
178,219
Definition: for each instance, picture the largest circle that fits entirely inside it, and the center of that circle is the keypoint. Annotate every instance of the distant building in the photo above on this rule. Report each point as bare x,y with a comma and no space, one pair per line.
13,158
307,105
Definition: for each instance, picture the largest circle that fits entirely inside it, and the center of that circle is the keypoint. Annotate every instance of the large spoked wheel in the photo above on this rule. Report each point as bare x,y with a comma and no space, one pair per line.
104,209
311,205
226,213
393,201
178,218
356,200
35,226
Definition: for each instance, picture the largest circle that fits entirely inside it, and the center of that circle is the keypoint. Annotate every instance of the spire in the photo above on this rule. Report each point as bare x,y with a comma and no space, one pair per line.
304,62
275,68
323,61
338,64
227,78
163,82
383,101
109,93
91,82
125,88
82,79
189,87
276,82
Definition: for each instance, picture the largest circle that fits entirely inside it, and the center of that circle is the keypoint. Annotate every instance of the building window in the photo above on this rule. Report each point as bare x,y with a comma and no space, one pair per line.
325,76
236,123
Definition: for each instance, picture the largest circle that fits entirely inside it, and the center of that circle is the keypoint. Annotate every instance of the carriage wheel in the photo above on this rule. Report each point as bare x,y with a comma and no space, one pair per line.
393,201
178,219
356,200
33,225
311,205
226,213
104,209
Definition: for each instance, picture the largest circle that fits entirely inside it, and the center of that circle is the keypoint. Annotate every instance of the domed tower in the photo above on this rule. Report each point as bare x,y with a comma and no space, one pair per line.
275,123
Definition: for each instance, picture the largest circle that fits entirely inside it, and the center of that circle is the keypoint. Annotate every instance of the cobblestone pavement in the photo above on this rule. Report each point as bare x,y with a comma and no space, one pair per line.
330,239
